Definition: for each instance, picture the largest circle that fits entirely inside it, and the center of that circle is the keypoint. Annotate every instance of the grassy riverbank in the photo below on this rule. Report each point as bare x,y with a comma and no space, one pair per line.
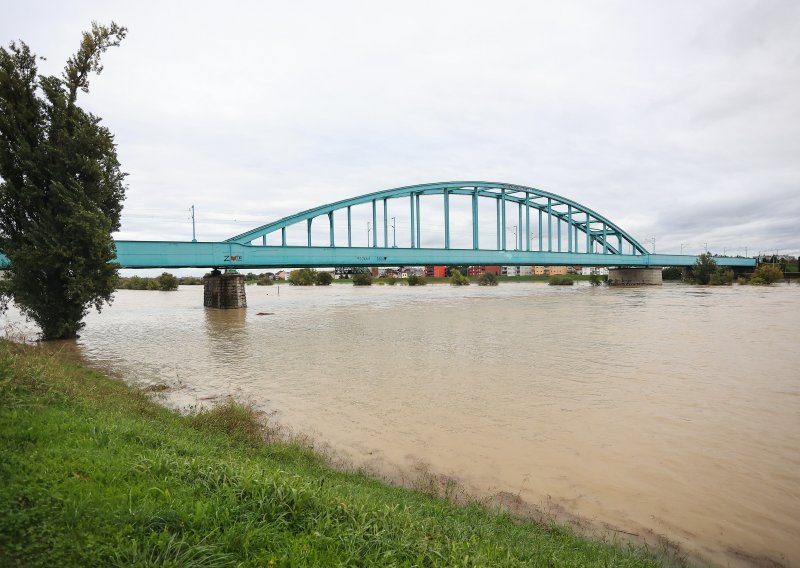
92,472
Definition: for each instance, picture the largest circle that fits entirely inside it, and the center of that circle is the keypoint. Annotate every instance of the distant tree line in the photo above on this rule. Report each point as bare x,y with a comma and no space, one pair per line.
309,277
166,282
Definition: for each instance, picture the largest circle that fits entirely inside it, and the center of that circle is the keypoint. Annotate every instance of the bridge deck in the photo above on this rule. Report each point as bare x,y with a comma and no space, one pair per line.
171,254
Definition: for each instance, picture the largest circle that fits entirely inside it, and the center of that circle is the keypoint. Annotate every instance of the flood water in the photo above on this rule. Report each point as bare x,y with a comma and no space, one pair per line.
669,411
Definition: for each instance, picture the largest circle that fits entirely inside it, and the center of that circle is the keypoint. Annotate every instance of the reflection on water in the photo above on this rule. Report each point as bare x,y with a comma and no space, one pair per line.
670,410
226,334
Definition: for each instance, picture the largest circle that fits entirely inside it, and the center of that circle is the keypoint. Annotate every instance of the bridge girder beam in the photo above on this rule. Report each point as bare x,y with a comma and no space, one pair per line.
171,254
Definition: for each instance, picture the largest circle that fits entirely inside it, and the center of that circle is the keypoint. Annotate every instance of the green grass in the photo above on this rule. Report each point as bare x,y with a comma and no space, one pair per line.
93,473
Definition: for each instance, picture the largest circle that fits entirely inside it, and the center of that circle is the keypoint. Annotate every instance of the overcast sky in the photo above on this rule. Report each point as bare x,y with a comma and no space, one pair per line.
676,120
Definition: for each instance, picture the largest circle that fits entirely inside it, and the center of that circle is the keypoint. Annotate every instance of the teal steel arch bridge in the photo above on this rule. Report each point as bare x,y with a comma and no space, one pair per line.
557,231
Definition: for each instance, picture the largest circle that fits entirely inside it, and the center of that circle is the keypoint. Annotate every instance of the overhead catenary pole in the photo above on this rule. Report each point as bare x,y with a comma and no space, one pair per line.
194,238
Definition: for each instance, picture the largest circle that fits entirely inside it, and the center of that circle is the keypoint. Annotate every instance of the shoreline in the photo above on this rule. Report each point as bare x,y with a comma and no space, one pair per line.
72,394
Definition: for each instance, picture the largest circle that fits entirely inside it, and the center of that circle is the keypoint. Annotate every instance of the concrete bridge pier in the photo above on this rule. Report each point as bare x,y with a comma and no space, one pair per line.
224,290
634,276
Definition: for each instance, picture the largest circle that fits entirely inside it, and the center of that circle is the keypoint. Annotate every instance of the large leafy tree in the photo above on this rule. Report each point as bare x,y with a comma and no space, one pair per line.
704,268
61,188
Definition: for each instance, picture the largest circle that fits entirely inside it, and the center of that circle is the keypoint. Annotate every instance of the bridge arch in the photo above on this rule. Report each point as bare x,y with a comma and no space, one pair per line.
586,230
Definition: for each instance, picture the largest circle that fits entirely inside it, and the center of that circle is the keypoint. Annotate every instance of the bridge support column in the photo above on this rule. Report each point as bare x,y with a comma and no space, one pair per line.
634,276
224,290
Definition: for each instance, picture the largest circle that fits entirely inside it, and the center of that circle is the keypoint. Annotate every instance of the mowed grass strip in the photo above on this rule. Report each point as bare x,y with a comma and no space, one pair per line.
93,473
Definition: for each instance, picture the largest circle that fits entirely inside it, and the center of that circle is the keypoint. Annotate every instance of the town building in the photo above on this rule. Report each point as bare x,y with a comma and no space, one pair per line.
436,271
479,270
598,270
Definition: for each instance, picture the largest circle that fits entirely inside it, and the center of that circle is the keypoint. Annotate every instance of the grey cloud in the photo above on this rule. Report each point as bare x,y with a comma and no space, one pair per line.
677,121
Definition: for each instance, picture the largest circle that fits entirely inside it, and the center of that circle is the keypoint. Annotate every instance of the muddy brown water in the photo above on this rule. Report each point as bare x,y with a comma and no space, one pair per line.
668,412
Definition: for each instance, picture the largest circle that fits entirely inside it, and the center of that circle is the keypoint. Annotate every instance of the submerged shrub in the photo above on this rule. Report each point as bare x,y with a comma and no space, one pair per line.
766,274
488,279
560,281
167,282
458,279
721,278
302,277
324,278
362,279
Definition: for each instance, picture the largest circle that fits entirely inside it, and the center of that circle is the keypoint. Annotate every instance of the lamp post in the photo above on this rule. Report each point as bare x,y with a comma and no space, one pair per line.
516,244
394,232
368,229
683,245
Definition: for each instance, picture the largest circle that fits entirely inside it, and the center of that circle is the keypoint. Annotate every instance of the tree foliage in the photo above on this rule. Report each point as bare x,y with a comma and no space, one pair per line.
167,282
487,279
766,274
416,280
706,271
596,280
457,278
324,278
61,188
303,277
704,267
362,279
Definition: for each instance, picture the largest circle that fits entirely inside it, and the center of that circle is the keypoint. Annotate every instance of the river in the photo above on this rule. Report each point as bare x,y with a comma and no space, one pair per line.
670,412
